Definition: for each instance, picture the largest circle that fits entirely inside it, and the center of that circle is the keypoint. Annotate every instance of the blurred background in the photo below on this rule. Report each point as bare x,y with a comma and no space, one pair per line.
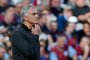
65,26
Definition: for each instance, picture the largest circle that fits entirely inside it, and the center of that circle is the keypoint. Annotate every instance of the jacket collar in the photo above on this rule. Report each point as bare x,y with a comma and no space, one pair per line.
25,27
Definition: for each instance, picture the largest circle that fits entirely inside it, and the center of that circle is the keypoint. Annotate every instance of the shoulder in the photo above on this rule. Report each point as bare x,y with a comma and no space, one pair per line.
17,36
19,31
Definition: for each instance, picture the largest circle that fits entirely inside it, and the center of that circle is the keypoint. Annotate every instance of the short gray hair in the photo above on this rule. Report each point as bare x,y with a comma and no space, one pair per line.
25,10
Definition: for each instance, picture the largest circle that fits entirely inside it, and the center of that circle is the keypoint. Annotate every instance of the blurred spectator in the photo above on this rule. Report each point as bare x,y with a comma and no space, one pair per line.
43,50
7,25
81,10
69,31
71,41
71,48
55,7
74,20
3,6
62,19
43,40
53,31
83,50
9,50
9,8
25,2
59,52
18,8
43,21
71,3
84,32
3,54
87,2
67,11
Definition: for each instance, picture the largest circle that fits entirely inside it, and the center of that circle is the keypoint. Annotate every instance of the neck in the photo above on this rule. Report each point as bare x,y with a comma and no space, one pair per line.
28,25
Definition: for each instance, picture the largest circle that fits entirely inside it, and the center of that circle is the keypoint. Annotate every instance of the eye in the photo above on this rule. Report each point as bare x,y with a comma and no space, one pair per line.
35,13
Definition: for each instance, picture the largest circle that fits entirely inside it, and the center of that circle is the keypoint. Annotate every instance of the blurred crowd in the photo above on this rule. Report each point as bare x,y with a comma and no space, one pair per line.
65,26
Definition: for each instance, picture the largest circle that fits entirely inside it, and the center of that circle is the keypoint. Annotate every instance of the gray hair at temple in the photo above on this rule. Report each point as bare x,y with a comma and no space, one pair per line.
24,11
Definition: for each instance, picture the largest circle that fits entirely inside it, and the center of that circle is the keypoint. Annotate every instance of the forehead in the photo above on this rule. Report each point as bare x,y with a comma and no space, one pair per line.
61,38
71,24
84,39
86,25
33,10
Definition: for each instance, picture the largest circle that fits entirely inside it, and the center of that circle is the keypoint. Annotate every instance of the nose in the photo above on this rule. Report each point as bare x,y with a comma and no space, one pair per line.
36,15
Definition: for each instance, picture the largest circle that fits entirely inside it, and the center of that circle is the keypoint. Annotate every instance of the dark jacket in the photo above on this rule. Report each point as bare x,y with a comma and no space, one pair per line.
80,10
25,45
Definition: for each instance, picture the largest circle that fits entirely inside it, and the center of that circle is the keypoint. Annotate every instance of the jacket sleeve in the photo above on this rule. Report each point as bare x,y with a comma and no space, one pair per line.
18,40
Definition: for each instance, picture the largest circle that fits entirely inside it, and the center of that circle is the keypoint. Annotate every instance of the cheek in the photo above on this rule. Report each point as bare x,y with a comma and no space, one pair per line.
86,29
72,27
33,17
30,18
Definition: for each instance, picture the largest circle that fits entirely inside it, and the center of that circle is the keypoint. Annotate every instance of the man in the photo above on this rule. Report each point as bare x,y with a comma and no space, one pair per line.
82,51
59,51
81,10
55,7
25,45
3,6
84,32
7,25
2,52
69,31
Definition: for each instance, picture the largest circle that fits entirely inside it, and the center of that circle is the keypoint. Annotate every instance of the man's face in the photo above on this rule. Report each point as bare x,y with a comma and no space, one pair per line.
71,27
2,52
26,2
9,16
61,41
3,1
18,7
86,28
84,42
32,16
55,3
80,3
53,26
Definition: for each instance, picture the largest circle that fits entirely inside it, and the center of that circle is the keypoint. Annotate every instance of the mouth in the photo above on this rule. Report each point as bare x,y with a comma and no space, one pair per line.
37,19
36,22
